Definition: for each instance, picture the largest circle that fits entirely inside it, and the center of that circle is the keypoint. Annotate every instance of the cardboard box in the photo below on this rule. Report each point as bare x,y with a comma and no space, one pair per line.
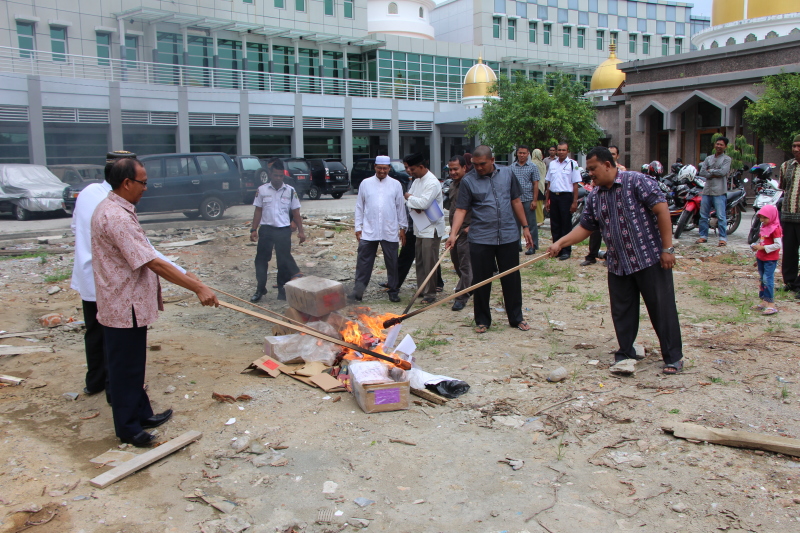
382,397
334,319
275,347
315,296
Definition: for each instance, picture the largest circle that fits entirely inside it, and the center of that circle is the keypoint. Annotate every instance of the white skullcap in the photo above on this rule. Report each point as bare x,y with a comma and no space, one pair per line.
382,160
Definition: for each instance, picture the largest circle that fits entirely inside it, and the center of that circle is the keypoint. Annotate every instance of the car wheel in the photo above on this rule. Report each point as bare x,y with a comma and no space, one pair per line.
314,193
212,208
262,177
191,214
20,213
337,195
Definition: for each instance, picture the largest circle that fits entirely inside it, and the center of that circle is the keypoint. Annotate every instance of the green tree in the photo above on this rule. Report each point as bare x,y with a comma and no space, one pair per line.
775,118
742,154
527,113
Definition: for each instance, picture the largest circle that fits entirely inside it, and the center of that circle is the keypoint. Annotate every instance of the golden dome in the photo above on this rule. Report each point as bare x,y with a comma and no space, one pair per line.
725,11
478,80
607,75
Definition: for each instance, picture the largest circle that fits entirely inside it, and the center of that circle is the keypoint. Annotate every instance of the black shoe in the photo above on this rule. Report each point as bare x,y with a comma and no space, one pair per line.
429,300
156,420
87,392
141,440
563,257
385,285
530,251
458,305
797,295
588,262
281,294
394,297
354,296
256,297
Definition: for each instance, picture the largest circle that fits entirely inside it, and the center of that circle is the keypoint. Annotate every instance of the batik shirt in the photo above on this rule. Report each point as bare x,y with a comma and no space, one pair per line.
624,215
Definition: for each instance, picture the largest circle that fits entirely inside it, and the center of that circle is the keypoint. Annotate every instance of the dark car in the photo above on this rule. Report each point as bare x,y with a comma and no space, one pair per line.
297,174
254,175
327,177
76,174
365,168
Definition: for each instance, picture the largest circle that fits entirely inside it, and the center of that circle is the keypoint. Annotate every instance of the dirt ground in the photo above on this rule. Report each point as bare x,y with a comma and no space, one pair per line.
589,452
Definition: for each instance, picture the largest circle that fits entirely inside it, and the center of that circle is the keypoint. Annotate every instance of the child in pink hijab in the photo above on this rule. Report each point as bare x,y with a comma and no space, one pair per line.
768,249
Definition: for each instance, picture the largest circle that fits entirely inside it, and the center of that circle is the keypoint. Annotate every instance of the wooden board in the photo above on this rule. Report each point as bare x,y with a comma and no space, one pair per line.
183,244
25,334
11,379
430,396
18,350
737,439
142,460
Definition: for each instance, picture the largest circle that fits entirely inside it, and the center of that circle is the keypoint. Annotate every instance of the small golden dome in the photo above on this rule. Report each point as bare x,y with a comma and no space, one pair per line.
607,75
478,80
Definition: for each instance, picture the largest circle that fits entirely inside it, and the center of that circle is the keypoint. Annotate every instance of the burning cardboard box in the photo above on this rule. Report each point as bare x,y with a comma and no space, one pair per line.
315,296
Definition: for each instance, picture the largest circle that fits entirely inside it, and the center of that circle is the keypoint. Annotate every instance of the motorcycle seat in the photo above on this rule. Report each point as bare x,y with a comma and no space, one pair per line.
733,195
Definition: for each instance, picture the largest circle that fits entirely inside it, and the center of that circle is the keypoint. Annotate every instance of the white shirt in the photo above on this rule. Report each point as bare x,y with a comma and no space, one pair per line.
276,204
380,209
562,175
423,192
82,272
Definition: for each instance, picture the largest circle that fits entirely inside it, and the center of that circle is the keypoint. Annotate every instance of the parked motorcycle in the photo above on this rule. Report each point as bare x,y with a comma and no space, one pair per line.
676,187
583,190
767,193
735,203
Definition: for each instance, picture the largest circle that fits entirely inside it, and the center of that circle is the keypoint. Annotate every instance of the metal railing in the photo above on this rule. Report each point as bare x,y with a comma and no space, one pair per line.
21,61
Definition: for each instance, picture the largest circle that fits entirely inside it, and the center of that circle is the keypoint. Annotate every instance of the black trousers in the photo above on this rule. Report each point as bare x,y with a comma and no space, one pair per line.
280,239
595,240
127,357
655,286
406,258
367,250
561,218
483,257
791,243
96,375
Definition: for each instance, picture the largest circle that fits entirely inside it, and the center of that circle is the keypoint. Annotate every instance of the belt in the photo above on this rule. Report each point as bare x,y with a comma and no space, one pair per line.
559,193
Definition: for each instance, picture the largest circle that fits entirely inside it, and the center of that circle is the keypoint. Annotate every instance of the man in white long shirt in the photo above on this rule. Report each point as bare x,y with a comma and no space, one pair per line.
83,276
380,219
424,191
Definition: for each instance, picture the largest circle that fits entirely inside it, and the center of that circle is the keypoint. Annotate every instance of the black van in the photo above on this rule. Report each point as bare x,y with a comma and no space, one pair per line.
200,184
364,168
327,177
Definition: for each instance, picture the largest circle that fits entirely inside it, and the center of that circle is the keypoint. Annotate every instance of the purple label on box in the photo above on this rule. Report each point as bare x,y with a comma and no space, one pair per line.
387,396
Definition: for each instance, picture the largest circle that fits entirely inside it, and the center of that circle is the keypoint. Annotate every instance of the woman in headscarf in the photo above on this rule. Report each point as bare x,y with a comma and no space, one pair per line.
539,162
468,159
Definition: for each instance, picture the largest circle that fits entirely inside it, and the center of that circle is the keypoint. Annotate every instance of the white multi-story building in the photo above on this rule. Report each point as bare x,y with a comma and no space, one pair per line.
314,78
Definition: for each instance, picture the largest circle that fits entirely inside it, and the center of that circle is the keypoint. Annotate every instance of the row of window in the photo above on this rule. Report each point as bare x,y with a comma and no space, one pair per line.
329,6
614,7
26,35
580,37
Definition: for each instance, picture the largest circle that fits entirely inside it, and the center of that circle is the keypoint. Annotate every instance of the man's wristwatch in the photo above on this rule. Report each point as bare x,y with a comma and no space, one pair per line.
253,229
524,227
670,250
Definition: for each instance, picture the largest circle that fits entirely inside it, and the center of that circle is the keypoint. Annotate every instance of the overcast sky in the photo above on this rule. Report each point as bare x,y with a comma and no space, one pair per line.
701,7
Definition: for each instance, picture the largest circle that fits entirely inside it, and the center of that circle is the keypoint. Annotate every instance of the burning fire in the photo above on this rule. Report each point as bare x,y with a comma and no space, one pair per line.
368,332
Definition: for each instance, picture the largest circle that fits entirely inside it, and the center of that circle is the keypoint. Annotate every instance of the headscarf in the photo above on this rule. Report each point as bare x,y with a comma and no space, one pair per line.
539,162
774,223
468,159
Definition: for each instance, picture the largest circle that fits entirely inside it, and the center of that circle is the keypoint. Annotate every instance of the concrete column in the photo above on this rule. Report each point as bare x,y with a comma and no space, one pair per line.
214,50
244,51
436,150
121,27
296,48
36,147
115,137
690,150
298,150
185,34
347,133
674,142
345,69
269,55
243,135
394,132
184,141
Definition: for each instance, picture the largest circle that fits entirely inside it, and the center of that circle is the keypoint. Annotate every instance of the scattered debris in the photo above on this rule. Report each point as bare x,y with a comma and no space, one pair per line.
329,487
559,374
217,502
70,396
737,439
626,367
53,290
5,349
515,464
363,502
400,441
11,380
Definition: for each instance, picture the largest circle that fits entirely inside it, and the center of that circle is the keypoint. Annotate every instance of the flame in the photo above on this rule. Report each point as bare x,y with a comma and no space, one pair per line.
364,332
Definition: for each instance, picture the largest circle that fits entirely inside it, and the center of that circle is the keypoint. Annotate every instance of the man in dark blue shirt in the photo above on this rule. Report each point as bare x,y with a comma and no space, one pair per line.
493,195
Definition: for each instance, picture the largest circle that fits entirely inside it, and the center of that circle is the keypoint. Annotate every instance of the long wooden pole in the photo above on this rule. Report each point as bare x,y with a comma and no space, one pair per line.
392,321
421,287
278,315
405,365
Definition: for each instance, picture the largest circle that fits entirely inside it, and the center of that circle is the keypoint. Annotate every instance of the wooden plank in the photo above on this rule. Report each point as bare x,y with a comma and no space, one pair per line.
11,379
430,396
19,350
25,334
736,439
129,467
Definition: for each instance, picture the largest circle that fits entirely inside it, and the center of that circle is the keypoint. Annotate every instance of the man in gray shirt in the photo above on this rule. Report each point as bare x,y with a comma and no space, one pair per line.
715,170
493,196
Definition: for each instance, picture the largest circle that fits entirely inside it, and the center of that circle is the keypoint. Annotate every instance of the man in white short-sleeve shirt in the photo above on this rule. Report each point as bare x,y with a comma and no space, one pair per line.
276,207
561,195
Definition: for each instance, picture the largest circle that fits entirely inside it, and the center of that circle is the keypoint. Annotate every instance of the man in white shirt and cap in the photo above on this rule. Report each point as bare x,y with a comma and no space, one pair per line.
83,276
424,191
380,220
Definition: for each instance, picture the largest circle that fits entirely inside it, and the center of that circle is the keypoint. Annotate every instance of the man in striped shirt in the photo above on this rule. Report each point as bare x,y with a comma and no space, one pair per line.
631,212
528,177
789,178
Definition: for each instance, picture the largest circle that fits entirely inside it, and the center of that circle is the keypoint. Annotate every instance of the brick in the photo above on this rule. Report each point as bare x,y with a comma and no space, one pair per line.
315,296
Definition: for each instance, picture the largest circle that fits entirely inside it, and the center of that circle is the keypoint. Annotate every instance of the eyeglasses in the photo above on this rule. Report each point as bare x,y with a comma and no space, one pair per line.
144,183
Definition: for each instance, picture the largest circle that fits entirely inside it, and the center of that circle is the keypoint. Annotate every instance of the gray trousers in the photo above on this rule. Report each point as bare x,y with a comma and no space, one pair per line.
530,216
459,254
367,250
426,253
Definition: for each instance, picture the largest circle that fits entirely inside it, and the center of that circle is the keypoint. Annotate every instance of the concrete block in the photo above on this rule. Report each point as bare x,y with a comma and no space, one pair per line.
315,296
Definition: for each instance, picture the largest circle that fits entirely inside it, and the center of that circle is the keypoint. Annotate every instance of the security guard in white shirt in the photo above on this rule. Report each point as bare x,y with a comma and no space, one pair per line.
276,207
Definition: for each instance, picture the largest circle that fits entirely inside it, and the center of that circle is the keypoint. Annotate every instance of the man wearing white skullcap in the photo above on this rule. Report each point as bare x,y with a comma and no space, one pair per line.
380,219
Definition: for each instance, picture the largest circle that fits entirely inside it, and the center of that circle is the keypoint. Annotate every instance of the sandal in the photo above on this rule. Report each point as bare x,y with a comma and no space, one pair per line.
701,240
722,243
523,326
481,329
673,368
769,311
